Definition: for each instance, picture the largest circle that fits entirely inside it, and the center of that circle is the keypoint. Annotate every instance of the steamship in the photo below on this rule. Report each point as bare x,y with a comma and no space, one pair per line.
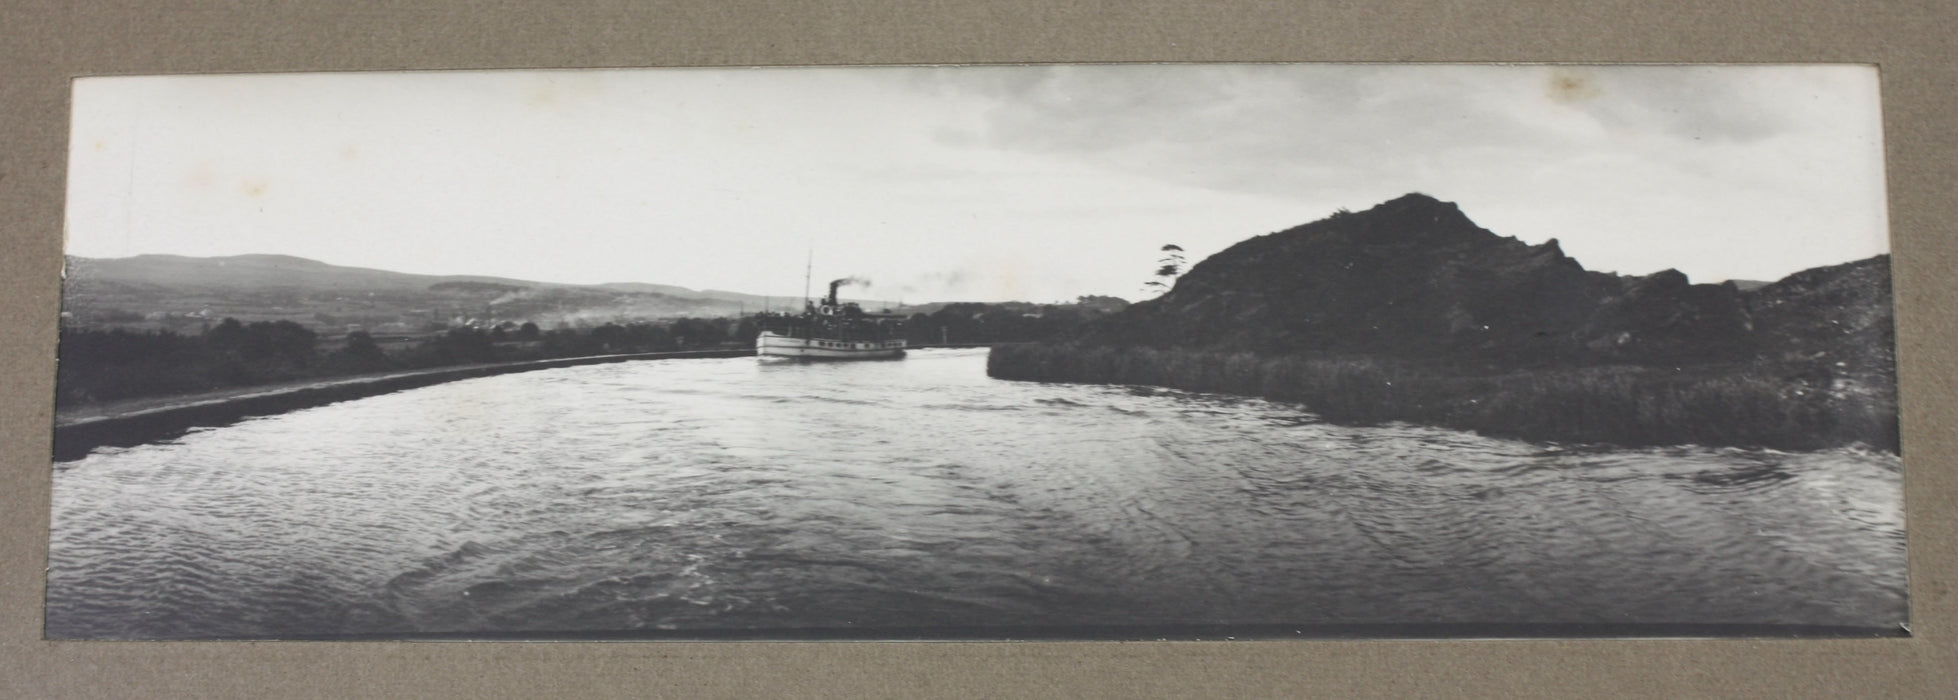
831,330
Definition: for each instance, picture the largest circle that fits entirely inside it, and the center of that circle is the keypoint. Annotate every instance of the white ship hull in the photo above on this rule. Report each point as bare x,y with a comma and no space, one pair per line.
770,344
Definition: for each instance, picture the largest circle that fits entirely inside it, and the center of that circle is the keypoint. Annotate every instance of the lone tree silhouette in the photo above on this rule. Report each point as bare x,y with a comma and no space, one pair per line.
1167,269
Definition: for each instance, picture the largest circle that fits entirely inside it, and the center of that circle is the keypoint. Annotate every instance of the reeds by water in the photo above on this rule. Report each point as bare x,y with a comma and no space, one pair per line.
1745,405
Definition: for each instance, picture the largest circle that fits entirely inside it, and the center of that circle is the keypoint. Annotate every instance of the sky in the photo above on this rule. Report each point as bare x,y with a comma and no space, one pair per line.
1037,183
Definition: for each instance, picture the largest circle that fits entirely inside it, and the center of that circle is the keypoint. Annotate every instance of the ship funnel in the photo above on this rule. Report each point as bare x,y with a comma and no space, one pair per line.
834,284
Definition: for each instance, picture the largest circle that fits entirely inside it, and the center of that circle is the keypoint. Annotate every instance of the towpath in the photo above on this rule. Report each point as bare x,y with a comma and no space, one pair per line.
78,429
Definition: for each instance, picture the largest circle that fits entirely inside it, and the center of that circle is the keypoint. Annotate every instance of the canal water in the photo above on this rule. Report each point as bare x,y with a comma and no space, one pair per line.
919,498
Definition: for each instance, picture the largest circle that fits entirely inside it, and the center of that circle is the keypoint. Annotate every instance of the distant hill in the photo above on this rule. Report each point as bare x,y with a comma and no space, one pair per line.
1090,304
1414,278
751,302
253,272
172,291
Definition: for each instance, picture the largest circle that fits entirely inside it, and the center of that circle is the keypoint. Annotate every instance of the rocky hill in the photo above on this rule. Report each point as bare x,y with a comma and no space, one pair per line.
1410,312
1842,311
1415,279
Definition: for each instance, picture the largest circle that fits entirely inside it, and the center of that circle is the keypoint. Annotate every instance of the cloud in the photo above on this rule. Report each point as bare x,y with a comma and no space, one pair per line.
1287,130
1046,181
1669,157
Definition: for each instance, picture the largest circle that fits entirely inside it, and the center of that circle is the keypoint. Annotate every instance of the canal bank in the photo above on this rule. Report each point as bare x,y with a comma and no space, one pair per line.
127,423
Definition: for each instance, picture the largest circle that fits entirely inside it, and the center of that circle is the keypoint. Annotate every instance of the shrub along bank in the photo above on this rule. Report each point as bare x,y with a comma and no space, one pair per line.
1759,404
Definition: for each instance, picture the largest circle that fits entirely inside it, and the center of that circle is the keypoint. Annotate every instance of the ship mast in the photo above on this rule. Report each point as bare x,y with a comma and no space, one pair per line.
808,267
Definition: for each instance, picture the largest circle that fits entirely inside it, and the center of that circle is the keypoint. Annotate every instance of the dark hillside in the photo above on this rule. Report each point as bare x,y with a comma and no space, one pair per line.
1409,311
1414,278
1841,313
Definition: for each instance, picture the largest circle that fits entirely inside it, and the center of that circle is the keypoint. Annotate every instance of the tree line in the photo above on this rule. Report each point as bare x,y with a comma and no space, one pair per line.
1010,322
109,364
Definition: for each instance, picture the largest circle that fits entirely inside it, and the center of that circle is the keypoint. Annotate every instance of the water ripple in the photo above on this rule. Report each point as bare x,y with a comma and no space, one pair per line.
731,494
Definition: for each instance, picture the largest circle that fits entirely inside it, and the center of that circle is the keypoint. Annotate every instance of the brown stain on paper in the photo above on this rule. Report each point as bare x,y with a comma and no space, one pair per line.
1568,87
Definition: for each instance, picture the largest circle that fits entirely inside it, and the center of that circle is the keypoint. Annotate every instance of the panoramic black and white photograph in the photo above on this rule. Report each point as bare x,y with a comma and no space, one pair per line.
1177,351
